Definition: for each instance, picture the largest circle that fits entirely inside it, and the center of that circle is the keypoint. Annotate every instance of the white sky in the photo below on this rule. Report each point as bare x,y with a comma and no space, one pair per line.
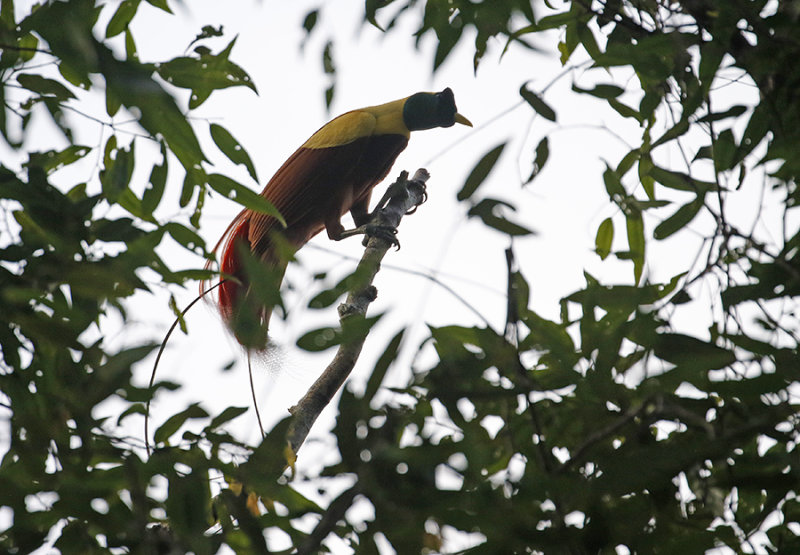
565,203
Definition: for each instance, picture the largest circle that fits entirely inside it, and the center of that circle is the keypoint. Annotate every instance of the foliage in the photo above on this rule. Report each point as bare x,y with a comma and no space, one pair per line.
611,426
72,255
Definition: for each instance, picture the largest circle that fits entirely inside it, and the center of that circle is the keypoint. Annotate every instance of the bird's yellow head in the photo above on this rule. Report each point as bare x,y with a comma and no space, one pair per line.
428,110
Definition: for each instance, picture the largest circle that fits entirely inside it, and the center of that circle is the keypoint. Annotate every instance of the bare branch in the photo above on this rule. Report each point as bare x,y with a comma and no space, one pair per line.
402,197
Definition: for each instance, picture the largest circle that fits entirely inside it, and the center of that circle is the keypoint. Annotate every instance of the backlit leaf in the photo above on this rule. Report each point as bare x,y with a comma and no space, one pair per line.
480,172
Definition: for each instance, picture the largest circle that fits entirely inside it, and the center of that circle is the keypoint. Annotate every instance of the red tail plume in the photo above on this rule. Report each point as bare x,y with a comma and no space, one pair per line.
230,292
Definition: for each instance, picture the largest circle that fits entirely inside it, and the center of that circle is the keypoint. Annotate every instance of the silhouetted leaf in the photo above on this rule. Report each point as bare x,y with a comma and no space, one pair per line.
237,192
44,86
536,102
205,74
174,422
680,219
231,148
542,154
480,172
489,211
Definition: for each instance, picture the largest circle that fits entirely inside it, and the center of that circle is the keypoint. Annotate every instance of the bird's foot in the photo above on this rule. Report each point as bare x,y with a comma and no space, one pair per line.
422,201
385,232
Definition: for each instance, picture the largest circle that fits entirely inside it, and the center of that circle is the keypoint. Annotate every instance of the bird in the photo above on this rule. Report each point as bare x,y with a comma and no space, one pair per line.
332,173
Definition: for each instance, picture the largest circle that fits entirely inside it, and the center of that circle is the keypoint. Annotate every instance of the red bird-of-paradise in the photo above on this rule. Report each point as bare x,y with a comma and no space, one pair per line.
331,174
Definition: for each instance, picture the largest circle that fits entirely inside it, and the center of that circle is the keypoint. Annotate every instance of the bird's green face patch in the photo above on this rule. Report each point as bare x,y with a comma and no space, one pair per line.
428,110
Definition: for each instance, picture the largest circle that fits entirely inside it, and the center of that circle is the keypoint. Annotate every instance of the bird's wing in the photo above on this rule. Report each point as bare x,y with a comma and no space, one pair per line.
323,160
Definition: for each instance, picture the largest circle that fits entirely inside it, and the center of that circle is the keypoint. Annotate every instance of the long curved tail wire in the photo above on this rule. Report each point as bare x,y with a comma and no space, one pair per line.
158,359
253,395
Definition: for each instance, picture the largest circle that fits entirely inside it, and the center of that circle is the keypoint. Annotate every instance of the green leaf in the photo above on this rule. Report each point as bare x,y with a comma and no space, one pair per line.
326,337
310,21
704,153
155,191
328,65
205,74
757,127
627,162
679,219
130,46
448,38
319,339
614,188
174,422
586,37
732,112
480,172
488,210
724,149
604,91
604,238
542,154
371,8
634,225
680,181
117,173
570,42
52,160
674,132
382,365
188,506
45,86
160,4
133,86
536,102
624,110
237,192
680,349
122,17
554,21
226,416
231,148
186,237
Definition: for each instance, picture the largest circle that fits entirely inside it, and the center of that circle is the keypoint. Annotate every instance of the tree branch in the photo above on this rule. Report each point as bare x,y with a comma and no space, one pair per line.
402,197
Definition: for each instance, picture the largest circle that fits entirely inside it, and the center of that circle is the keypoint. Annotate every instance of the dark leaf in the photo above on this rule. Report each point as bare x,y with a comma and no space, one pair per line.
122,17
226,416
480,172
205,74
382,365
634,225
44,86
536,102
732,112
231,148
601,91
680,219
489,211
542,154
676,131
174,422
237,192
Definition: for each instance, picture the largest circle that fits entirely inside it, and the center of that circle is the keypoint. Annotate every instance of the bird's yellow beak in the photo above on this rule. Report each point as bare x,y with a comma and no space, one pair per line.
462,120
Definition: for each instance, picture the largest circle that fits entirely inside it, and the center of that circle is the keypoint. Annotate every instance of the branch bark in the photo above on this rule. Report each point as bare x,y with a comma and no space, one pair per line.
402,197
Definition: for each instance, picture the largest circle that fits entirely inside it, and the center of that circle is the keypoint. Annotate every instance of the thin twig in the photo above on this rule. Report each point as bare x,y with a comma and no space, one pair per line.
158,359
253,395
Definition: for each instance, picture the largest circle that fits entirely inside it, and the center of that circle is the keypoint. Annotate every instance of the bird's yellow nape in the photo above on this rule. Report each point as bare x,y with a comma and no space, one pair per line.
462,120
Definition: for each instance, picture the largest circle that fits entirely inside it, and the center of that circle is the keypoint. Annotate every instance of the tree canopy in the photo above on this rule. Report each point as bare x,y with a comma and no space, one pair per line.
615,426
